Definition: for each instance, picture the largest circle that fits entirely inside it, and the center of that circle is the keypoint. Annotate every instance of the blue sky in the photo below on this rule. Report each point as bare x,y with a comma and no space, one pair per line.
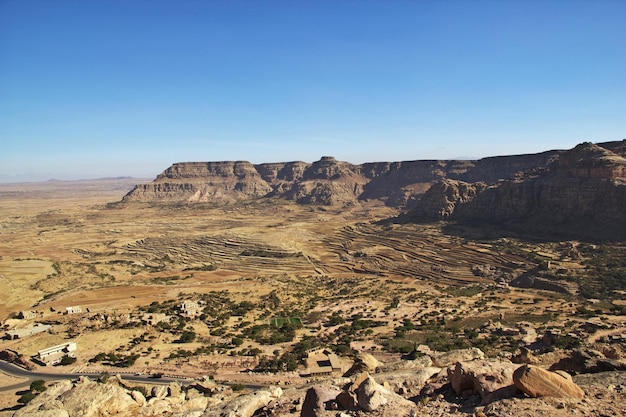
111,88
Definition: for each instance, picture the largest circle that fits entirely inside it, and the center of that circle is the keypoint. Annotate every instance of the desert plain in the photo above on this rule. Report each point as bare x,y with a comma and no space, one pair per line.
273,278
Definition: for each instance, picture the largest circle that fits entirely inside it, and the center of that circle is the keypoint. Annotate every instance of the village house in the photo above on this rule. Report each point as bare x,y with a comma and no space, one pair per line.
27,314
73,310
28,331
53,355
321,362
189,308
152,319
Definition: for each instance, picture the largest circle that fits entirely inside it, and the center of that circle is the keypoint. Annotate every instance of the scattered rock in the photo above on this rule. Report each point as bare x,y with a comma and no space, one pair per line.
373,396
446,359
537,382
159,391
139,398
243,406
491,380
364,362
317,400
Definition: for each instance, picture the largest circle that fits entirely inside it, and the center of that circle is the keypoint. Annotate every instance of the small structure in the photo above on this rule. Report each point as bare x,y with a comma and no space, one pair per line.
53,355
152,319
28,331
73,310
321,362
27,314
189,308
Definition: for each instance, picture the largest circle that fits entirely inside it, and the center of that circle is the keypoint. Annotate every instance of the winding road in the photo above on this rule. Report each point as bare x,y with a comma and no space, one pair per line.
16,371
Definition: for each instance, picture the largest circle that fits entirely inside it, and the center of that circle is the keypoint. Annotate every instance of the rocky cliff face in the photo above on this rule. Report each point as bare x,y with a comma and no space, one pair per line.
581,193
327,181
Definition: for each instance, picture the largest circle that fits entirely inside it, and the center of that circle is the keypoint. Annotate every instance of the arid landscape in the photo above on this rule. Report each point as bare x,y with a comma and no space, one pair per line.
302,276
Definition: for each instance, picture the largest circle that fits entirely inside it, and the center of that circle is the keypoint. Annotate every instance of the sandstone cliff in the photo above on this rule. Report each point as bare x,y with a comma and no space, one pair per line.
581,193
326,182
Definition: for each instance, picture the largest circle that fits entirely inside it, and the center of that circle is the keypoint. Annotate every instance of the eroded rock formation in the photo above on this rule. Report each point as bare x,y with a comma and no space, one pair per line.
325,182
581,193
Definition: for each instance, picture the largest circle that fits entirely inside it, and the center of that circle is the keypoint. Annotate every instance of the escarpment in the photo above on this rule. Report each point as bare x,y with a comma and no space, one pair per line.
582,193
326,182
579,192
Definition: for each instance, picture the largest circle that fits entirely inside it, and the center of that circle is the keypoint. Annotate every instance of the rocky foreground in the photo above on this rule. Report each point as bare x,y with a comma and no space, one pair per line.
456,383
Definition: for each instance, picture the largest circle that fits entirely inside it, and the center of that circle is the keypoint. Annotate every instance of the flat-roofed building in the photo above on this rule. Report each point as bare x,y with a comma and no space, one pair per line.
28,331
190,308
53,355
73,310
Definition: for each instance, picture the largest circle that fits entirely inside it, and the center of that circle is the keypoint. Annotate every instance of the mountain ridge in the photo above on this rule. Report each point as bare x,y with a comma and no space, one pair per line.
326,182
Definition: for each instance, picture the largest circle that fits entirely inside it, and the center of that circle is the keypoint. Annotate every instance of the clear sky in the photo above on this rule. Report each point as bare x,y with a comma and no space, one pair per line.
128,87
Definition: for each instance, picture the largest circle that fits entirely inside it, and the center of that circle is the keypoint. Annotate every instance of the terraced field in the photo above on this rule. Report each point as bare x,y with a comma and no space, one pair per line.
415,251
218,252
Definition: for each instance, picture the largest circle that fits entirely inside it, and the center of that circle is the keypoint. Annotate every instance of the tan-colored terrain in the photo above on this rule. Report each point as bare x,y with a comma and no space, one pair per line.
64,244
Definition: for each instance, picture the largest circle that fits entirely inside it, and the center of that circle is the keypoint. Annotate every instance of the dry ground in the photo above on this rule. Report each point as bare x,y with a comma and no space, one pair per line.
63,244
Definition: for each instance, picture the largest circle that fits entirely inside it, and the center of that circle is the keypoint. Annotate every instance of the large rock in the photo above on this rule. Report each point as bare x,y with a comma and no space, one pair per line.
585,361
242,406
139,398
491,380
364,362
159,391
372,396
408,383
317,401
85,399
537,382
44,413
443,360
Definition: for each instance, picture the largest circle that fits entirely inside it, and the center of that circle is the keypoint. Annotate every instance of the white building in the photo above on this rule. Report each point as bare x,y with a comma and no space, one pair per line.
189,308
54,354
73,310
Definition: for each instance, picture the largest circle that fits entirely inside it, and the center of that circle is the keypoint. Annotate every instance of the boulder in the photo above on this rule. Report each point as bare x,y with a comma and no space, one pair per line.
46,400
242,406
491,380
45,413
586,361
364,362
194,406
347,400
159,391
317,400
174,389
139,398
372,396
537,382
85,399
94,400
407,383
443,360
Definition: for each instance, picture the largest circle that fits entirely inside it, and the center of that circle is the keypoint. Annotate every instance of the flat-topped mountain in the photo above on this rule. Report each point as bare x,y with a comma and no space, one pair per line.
579,192
327,181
